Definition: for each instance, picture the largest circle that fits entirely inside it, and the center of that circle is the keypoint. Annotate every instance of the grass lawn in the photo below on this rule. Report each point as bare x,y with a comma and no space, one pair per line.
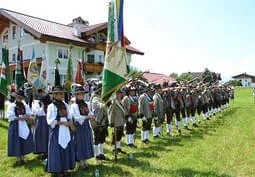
222,147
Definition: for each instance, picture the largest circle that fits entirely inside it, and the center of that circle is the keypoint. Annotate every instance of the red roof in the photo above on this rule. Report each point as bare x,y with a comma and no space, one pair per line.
157,78
134,50
45,28
39,27
94,28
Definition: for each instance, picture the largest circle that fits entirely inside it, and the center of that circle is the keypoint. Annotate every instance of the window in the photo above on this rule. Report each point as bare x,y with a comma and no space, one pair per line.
14,32
13,57
101,59
62,53
5,37
101,37
22,32
90,58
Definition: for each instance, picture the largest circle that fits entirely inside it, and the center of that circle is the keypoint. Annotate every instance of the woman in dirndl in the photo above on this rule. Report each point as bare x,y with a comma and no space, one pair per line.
61,154
41,128
20,139
81,114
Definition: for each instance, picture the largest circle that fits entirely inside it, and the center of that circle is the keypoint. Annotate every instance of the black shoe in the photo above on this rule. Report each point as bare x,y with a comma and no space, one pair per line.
195,125
66,174
120,151
85,166
147,140
61,174
186,127
144,141
180,131
102,156
18,163
156,136
207,118
133,146
99,157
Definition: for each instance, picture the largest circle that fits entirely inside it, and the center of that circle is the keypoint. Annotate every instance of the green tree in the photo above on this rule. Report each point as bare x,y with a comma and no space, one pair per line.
207,76
174,75
235,83
135,72
184,77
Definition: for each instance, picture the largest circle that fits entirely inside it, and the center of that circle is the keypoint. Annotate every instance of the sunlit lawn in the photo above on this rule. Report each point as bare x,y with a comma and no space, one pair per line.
222,147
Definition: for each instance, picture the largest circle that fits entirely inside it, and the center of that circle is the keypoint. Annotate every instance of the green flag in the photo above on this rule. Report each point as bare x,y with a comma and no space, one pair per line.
57,76
115,67
5,74
19,76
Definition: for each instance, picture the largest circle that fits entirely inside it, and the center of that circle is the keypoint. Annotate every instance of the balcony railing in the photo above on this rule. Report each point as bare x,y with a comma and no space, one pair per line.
93,67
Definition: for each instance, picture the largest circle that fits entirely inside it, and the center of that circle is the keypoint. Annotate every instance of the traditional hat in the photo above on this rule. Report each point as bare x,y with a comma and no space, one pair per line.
157,86
173,84
58,89
79,89
45,99
20,94
131,88
149,87
98,87
165,84
119,91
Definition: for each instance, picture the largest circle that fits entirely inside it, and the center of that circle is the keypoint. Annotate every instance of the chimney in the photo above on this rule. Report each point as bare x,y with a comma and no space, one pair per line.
78,24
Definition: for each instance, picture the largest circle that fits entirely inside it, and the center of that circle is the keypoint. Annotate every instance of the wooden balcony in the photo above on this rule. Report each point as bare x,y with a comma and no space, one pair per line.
93,67
12,65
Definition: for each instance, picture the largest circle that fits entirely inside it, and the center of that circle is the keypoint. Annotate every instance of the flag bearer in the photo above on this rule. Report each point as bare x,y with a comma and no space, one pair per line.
117,112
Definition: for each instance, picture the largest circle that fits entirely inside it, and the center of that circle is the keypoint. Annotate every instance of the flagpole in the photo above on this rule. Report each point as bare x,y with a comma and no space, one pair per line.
7,53
114,126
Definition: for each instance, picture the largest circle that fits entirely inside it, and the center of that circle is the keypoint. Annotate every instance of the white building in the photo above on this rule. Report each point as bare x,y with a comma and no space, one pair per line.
245,79
51,40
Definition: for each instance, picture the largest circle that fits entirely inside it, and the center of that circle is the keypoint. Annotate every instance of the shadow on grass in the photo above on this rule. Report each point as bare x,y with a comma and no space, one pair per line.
209,127
3,122
34,163
104,170
187,172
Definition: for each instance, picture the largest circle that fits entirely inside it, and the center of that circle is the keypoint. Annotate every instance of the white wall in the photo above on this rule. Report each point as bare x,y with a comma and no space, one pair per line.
52,48
27,43
246,82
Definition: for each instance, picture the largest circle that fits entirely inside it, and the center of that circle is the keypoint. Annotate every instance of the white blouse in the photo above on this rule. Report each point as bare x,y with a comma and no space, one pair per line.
75,112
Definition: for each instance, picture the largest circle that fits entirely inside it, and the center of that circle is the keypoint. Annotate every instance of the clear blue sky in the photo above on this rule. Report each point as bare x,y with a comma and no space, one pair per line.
176,35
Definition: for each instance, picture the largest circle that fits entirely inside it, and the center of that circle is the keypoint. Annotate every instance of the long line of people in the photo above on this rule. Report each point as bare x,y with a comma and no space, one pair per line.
63,133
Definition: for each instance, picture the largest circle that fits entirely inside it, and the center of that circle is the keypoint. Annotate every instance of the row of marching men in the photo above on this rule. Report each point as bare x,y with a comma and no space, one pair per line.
170,101
186,102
